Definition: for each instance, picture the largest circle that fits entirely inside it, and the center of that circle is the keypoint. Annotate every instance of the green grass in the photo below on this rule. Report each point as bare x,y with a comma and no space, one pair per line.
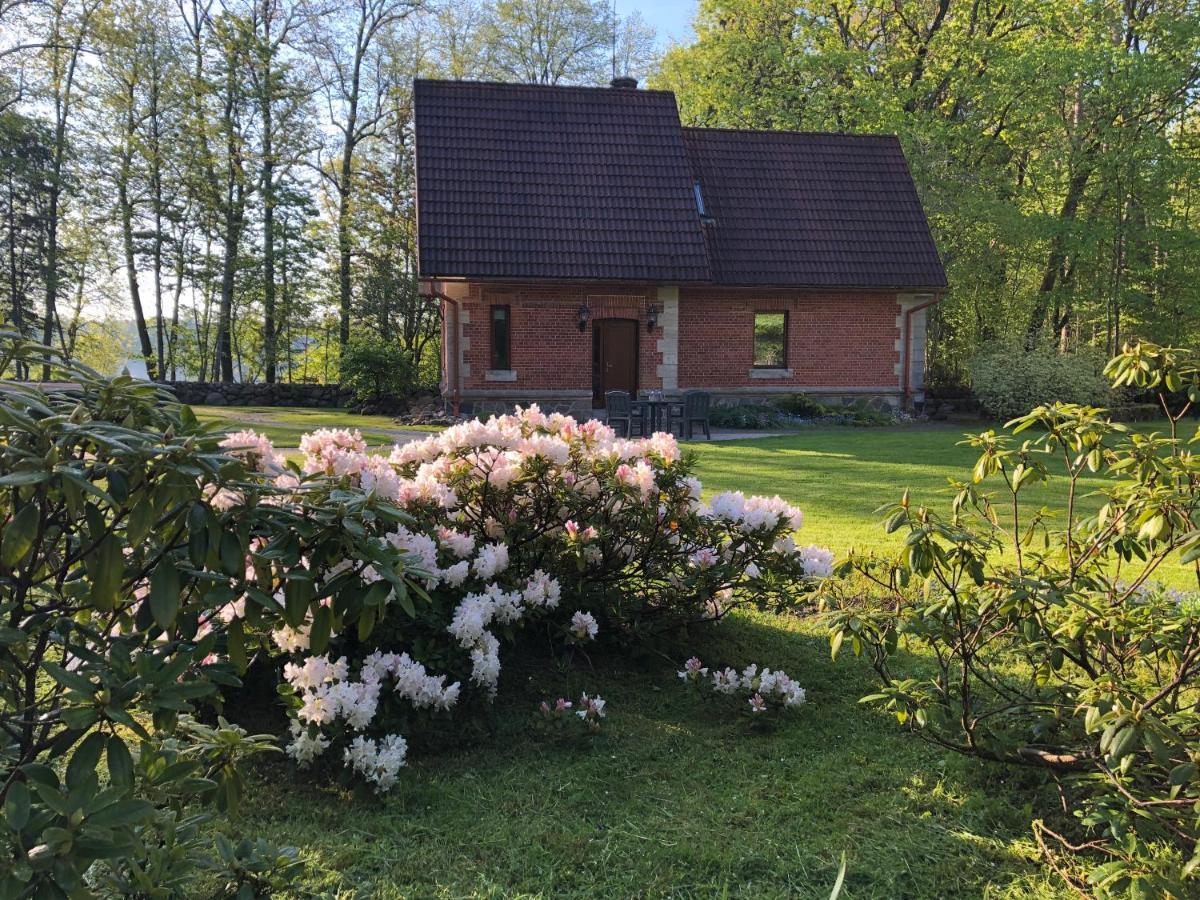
840,476
678,797
285,425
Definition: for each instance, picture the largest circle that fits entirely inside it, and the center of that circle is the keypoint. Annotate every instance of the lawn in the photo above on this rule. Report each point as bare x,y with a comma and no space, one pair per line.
285,425
674,798
678,797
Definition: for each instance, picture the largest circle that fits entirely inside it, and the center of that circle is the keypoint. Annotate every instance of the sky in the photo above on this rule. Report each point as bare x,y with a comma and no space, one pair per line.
672,19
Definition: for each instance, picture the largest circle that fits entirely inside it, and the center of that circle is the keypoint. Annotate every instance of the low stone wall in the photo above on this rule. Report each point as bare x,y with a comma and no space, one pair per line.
580,405
878,401
205,393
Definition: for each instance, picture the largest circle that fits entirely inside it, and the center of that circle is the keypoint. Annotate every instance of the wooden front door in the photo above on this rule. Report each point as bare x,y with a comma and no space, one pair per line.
614,358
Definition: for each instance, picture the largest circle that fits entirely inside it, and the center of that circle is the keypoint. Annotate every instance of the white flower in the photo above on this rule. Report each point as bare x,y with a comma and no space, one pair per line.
456,574
379,762
289,640
461,545
492,559
485,662
584,626
591,707
693,670
542,591
817,561
725,681
306,747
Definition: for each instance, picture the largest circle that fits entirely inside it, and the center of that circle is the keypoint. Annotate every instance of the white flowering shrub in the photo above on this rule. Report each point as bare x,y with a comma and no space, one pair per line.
522,518
757,691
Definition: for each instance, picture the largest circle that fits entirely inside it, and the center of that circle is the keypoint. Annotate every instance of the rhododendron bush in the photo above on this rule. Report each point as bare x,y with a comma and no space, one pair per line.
139,565
521,519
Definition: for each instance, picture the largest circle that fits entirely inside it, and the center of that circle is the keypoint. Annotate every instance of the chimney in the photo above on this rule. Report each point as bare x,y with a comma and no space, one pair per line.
624,83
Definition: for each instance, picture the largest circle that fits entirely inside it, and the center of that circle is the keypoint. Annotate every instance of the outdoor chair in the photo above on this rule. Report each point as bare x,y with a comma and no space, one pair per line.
623,414
693,411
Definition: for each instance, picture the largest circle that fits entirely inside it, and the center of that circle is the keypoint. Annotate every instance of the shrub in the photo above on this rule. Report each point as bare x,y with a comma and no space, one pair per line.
803,405
522,521
376,370
1010,380
746,415
795,410
1053,646
129,536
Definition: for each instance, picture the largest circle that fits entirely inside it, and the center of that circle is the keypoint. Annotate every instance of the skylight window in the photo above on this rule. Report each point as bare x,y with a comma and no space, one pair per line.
700,207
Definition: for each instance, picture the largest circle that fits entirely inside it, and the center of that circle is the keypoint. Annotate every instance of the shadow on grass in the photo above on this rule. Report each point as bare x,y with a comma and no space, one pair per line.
676,796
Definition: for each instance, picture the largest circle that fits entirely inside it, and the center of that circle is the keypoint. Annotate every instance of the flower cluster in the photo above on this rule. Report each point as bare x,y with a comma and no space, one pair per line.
762,689
589,710
330,704
520,518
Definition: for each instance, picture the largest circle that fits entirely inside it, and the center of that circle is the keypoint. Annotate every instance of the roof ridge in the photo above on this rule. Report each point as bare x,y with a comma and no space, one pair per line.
885,135
530,86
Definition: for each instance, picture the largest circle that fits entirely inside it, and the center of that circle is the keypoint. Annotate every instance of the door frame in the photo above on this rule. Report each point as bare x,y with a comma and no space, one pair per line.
597,370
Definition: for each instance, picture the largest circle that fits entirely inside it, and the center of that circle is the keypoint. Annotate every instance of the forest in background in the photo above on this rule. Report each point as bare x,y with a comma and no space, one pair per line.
1055,145
229,181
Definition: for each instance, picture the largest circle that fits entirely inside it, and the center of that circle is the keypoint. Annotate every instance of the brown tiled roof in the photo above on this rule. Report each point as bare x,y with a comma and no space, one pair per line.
540,182
802,208
532,181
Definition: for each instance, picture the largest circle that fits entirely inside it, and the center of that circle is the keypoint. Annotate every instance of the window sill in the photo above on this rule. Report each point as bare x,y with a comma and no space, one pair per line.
500,375
770,373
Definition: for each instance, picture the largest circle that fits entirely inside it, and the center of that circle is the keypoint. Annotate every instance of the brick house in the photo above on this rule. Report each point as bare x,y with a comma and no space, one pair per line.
581,240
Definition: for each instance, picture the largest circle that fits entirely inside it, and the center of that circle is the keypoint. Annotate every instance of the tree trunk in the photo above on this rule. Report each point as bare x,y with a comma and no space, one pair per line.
125,206
135,296
268,188
156,190
1057,258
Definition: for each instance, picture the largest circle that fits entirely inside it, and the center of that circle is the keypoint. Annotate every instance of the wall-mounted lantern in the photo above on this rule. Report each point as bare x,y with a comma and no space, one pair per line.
584,315
652,316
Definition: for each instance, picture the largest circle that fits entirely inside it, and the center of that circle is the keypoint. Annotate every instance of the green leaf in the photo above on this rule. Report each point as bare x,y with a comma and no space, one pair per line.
141,520
84,760
68,679
164,594
107,569
19,534
233,557
366,623
23,479
123,812
120,763
16,805
236,638
322,625
197,522
297,594
1182,774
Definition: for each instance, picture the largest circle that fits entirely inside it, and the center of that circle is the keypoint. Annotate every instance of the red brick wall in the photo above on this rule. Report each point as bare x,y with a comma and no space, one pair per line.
835,339
549,352
844,340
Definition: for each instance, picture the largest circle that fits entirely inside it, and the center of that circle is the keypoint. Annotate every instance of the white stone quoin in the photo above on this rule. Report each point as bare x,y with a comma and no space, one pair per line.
668,344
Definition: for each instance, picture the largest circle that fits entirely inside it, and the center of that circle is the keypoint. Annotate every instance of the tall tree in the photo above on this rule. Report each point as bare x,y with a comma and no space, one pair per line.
356,81
69,26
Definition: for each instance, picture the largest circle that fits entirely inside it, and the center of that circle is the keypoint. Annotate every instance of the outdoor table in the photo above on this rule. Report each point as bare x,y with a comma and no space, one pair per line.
655,410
